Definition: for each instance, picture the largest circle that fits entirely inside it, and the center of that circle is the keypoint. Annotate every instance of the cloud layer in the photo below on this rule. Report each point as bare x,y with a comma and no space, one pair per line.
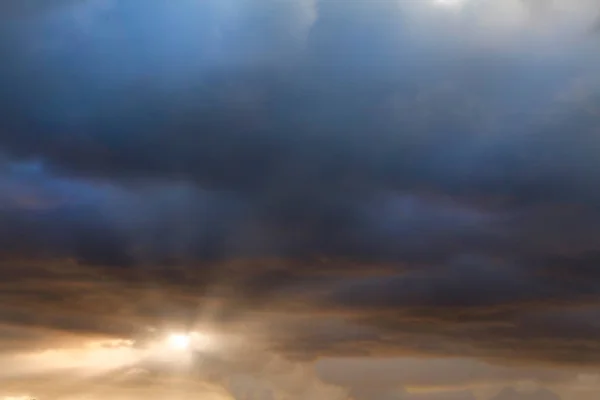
339,178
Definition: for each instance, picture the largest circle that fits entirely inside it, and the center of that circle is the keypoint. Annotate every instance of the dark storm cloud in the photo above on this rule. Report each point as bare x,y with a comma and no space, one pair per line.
431,198
455,286
327,120
40,217
467,308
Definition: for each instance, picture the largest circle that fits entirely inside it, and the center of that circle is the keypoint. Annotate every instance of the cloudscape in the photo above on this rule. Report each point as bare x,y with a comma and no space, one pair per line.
300,199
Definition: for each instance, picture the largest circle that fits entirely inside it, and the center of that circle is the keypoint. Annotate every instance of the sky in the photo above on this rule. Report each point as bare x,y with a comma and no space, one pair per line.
299,199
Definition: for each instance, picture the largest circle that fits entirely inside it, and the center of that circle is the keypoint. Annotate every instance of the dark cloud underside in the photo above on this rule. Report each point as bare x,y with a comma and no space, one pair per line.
401,191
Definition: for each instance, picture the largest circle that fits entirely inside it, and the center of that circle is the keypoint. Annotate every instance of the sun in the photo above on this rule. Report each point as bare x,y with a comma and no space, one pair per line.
179,341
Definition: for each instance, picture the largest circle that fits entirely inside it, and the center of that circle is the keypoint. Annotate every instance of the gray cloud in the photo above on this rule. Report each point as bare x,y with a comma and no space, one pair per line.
431,372
512,394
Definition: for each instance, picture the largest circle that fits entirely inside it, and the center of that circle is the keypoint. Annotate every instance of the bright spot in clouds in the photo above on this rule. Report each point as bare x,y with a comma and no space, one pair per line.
192,341
179,341
176,345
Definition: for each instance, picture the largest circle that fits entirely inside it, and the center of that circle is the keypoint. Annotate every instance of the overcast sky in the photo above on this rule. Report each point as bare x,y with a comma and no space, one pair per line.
300,199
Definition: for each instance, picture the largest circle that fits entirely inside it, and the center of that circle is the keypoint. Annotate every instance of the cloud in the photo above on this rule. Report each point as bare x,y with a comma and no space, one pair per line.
237,155
456,395
398,394
11,9
330,178
512,394
118,368
427,373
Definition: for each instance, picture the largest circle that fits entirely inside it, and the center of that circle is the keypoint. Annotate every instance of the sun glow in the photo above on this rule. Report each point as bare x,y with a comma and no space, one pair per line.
91,359
195,341
179,341
171,349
